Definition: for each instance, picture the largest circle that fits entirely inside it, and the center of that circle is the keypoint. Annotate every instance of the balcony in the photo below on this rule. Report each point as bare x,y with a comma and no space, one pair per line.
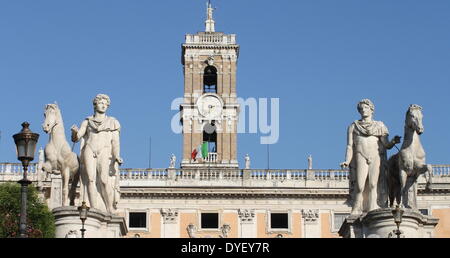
213,177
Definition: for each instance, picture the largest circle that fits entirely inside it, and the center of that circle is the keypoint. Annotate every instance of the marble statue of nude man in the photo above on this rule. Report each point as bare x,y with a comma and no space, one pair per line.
100,153
366,156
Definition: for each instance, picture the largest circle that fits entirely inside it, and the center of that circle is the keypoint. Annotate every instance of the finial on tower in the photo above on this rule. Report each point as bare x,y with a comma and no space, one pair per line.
210,23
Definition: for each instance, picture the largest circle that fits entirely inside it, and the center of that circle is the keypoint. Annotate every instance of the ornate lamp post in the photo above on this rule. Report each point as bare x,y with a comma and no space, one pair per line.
83,209
398,215
25,142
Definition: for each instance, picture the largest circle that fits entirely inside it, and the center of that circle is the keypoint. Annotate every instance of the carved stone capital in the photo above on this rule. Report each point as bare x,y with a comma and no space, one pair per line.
246,216
310,215
169,215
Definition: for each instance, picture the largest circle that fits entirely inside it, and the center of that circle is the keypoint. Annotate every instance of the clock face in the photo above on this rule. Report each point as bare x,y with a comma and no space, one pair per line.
210,107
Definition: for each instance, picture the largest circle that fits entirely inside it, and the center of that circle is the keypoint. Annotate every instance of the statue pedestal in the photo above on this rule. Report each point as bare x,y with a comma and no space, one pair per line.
98,224
380,223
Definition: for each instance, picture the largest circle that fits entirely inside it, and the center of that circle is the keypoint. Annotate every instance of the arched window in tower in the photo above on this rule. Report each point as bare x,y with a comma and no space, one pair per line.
210,80
209,147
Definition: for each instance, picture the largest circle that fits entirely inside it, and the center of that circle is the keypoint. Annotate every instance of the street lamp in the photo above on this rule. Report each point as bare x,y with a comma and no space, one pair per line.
25,142
398,215
83,209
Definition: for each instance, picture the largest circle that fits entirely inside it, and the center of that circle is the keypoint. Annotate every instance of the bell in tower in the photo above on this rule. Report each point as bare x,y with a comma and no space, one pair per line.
210,109
210,79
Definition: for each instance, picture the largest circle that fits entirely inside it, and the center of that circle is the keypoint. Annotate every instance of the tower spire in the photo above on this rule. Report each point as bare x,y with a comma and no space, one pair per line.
210,23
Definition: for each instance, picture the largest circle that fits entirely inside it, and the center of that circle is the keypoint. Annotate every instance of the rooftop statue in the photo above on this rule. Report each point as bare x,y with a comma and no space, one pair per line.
247,161
366,157
59,158
100,154
173,159
406,166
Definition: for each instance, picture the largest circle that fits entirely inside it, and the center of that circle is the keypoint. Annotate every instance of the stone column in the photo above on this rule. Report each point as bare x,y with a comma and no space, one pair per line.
248,223
311,225
170,227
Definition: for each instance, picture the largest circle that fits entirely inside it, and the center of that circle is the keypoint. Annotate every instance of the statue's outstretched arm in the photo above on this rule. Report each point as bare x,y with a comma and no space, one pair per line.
390,144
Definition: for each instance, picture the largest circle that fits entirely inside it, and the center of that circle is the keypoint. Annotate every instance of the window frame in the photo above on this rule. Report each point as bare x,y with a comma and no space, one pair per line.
333,220
270,230
147,220
219,220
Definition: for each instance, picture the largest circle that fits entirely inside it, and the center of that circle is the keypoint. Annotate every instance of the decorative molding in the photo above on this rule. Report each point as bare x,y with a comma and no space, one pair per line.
192,230
156,192
72,234
169,216
225,229
246,216
310,215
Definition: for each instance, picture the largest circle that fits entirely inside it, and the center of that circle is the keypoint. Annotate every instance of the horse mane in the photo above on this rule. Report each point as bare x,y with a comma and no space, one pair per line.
414,107
410,113
55,108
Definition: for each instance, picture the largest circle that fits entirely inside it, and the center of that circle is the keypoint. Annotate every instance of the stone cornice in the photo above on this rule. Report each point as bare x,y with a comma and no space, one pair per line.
231,193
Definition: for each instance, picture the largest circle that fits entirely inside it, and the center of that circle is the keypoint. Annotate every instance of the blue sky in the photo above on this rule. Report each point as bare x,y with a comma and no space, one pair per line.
320,57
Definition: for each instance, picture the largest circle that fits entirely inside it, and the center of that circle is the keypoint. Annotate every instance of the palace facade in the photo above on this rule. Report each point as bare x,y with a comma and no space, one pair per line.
210,196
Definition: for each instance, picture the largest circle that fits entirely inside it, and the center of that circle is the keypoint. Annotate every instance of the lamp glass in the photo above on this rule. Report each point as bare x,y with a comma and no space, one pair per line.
83,213
31,149
26,142
21,146
398,214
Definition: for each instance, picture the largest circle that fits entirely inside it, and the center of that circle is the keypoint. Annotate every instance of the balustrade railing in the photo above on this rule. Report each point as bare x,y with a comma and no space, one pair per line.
211,158
10,170
210,38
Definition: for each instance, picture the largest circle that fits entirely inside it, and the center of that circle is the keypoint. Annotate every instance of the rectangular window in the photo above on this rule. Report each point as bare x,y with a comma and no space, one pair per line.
339,219
210,220
424,211
279,221
137,220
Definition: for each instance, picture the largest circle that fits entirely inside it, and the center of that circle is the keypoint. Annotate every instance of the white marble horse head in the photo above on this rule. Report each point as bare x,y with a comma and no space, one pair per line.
414,118
52,116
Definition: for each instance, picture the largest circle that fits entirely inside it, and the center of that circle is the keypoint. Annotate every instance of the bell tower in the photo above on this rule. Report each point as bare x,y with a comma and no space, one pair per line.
210,111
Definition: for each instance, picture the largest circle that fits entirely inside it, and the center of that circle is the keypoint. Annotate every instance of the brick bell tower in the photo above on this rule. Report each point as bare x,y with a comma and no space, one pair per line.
210,111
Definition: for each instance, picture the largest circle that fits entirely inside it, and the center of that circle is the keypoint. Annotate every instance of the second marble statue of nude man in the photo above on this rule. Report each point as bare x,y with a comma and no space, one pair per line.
367,143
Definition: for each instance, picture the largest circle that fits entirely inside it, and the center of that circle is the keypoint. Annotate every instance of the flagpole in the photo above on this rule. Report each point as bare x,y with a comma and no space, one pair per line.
150,153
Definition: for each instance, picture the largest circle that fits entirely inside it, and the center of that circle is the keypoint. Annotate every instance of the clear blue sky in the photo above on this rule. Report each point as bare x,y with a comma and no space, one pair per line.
320,57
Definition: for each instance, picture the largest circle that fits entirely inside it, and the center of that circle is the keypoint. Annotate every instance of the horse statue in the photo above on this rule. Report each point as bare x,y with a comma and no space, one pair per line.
59,158
405,167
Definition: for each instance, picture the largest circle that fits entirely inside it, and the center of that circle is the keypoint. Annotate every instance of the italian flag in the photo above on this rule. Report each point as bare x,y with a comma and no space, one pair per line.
205,150
201,151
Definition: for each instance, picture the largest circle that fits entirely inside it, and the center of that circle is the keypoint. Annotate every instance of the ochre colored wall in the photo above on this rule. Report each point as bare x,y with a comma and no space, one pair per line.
443,227
232,220
296,227
185,220
155,228
188,218
325,220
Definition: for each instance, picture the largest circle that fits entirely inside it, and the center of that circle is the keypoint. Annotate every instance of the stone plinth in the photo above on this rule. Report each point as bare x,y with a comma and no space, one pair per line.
98,224
380,223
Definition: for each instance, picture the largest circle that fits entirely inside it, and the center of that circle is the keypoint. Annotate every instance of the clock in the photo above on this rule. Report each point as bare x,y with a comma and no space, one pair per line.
210,106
